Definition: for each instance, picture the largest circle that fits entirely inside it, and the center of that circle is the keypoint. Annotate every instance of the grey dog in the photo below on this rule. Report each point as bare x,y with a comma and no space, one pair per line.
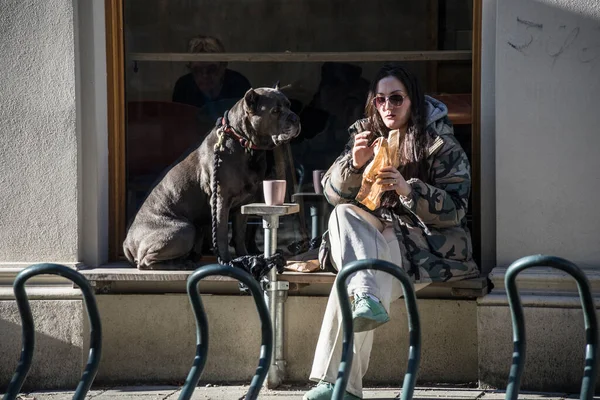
168,229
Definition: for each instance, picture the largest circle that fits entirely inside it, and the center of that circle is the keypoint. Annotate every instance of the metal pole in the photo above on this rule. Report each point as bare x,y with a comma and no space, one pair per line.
315,228
270,225
276,293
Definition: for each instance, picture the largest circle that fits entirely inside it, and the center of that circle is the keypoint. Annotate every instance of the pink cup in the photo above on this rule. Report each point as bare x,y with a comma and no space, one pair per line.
274,192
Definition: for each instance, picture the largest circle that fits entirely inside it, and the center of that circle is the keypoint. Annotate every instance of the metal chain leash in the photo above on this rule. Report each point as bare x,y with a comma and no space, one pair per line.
214,195
257,265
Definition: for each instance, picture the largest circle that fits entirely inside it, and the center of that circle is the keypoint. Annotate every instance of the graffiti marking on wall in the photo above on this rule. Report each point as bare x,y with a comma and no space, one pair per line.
556,41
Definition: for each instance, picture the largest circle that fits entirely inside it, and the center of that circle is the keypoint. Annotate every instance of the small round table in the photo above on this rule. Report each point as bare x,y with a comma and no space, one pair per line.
275,291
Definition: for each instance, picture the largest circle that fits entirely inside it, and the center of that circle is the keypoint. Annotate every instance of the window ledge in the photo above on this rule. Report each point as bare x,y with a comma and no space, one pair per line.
542,287
122,278
8,273
545,280
43,293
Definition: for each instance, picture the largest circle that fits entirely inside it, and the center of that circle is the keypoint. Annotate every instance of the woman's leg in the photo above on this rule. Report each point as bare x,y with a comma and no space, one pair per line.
355,235
329,346
329,349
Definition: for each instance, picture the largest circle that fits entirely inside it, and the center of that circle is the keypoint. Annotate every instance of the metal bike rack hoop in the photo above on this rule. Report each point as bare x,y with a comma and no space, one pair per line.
24,365
518,322
266,348
414,325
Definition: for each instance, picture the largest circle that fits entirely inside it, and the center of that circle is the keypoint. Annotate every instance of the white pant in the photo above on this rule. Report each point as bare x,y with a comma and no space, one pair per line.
355,234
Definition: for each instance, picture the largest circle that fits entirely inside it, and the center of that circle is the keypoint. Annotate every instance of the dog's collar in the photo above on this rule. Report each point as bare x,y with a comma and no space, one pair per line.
244,142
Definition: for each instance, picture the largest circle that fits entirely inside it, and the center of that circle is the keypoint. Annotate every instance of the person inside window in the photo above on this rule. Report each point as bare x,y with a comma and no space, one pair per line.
419,225
210,86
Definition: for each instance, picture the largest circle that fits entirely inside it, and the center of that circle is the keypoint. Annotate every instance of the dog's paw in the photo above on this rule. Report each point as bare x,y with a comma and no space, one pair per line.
175,265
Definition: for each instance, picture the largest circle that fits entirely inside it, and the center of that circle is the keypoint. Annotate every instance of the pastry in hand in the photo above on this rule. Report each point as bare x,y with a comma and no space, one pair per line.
386,153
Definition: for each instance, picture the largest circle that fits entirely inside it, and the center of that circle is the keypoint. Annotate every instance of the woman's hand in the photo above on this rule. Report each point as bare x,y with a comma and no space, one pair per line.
362,152
390,179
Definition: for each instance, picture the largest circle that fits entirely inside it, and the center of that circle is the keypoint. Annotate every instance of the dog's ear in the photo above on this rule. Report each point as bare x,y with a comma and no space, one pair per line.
251,100
281,88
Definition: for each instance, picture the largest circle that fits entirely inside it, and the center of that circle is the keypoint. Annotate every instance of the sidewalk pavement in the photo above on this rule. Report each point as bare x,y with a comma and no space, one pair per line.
292,392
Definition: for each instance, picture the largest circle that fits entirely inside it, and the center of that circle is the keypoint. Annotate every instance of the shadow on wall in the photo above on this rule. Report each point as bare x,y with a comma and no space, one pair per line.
157,346
58,355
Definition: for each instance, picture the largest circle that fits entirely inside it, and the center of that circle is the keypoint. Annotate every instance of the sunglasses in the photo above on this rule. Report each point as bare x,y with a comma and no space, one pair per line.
395,100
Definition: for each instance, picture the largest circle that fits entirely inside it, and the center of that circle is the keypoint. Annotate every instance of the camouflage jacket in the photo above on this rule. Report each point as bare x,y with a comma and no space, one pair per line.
431,224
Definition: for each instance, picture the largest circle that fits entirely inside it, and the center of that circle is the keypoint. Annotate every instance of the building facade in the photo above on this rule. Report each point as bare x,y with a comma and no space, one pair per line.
538,185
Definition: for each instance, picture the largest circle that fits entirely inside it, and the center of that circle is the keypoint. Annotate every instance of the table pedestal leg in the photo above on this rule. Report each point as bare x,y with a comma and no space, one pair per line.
315,226
275,296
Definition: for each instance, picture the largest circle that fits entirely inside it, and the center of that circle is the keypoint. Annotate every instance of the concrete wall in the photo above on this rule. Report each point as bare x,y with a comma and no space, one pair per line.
39,200
92,103
151,338
58,356
555,337
547,124
542,101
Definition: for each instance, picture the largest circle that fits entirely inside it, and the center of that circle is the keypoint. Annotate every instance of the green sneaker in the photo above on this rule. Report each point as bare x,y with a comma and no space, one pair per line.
368,314
324,391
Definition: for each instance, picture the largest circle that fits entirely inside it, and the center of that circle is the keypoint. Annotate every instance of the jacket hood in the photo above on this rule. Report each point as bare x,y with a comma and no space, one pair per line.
437,116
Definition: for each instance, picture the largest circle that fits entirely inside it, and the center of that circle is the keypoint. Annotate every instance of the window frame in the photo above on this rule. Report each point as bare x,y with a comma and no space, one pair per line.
115,56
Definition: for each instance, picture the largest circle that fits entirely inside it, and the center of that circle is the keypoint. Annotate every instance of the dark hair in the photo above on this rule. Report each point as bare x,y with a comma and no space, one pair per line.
413,163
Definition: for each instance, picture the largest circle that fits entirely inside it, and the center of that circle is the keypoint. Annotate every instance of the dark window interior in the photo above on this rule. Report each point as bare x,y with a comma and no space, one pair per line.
164,117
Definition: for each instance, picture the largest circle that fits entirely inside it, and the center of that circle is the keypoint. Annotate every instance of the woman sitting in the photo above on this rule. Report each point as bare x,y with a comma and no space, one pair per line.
420,223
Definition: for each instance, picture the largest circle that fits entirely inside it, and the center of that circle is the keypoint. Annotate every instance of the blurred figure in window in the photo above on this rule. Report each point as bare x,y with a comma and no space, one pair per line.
209,86
338,103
